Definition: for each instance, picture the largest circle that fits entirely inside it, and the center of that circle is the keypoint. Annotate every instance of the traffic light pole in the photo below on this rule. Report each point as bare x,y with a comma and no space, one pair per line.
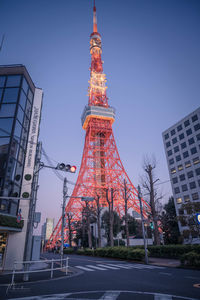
63,217
143,229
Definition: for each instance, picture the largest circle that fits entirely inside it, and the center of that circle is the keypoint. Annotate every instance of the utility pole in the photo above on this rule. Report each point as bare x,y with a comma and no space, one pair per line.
63,217
143,230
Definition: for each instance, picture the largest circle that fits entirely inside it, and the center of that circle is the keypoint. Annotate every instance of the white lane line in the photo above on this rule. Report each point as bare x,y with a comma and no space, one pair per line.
163,297
95,267
84,268
109,267
112,295
164,273
121,266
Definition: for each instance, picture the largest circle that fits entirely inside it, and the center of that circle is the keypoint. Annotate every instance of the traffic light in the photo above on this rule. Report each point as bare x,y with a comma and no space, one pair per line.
66,168
151,225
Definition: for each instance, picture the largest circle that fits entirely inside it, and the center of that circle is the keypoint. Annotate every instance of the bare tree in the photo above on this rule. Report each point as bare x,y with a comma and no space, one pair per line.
126,213
98,215
111,217
69,218
148,183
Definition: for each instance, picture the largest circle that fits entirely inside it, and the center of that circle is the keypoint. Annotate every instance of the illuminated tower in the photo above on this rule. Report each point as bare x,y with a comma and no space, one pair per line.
101,168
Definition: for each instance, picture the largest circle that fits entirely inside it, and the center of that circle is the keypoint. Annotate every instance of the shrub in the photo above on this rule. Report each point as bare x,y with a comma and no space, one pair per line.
137,254
68,250
191,259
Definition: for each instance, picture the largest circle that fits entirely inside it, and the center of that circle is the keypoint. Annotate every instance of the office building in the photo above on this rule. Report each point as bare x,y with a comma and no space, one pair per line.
20,109
182,148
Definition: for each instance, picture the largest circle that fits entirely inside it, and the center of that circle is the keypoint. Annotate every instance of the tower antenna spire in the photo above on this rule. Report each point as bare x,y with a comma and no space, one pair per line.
94,18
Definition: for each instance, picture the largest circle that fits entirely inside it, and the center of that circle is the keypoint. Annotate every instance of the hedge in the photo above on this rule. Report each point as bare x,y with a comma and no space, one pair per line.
68,250
170,251
191,259
115,252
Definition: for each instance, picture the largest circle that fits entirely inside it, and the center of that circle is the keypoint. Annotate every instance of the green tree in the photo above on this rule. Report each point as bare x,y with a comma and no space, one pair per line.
169,223
132,226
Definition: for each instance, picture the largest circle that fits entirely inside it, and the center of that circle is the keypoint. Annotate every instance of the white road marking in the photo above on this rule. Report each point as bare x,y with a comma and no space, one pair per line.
162,297
121,266
163,273
95,267
84,268
109,267
110,295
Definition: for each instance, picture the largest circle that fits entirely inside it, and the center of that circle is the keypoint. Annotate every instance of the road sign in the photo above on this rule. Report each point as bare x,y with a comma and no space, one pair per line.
198,217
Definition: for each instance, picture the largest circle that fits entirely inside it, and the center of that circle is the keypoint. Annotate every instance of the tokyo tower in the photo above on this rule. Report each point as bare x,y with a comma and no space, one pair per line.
101,168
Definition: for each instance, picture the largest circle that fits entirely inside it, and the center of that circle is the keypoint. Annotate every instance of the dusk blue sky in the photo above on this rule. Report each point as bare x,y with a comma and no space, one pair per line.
151,54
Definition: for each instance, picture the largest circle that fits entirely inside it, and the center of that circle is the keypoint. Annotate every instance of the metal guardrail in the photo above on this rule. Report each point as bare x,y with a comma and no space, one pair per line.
51,269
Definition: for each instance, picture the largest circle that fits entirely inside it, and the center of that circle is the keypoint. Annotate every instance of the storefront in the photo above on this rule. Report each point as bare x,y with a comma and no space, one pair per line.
3,243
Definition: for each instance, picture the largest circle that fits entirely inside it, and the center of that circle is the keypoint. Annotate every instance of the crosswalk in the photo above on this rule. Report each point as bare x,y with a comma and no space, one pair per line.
108,266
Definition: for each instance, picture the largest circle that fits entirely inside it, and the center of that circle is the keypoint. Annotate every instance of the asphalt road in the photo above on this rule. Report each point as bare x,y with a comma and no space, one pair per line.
100,278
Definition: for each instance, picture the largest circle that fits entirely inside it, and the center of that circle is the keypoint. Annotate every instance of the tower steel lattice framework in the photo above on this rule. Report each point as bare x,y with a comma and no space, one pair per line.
101,167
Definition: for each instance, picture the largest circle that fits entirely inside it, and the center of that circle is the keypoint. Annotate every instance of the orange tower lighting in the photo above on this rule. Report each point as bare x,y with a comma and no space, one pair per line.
101,168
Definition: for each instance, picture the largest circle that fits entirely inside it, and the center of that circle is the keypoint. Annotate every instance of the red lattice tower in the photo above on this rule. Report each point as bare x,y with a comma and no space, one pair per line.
101,168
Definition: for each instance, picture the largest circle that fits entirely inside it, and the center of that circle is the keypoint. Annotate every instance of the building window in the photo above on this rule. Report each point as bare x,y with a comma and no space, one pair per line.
179,200
195,196
13,80
176,149
187,123
182,177
176,190
187,164
6,126
181,136
2,81
179,128
166,136
197,171
199,182
10,95
173,132
191,141
189,131
186,198
173,170
178,158
175,180
174,140
197,127
171,161
198,137
168,144
184,187
180,167
190,174
169,152
183,145
185,154
193,185
196,160
193,150
194,118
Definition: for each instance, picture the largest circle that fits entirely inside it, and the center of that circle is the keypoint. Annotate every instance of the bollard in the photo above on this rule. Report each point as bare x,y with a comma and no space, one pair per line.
67,265
13,275
52,268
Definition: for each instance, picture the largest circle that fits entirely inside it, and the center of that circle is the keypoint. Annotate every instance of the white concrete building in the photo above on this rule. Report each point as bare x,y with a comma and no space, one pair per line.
182,148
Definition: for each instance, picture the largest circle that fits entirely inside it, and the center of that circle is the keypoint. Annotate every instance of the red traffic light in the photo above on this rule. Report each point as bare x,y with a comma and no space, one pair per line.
73,169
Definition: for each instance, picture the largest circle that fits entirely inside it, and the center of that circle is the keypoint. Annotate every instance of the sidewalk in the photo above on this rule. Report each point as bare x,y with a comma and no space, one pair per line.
164,262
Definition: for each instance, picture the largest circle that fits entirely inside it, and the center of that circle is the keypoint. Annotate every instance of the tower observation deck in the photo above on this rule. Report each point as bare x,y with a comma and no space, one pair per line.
101,175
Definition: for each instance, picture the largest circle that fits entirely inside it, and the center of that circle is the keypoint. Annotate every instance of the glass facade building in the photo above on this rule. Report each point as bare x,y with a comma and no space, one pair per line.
16,99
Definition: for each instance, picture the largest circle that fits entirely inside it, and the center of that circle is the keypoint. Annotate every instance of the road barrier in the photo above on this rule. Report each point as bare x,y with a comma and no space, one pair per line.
64,264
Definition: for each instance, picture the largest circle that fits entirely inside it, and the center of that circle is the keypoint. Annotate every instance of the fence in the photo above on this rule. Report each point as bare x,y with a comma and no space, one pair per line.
64,264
